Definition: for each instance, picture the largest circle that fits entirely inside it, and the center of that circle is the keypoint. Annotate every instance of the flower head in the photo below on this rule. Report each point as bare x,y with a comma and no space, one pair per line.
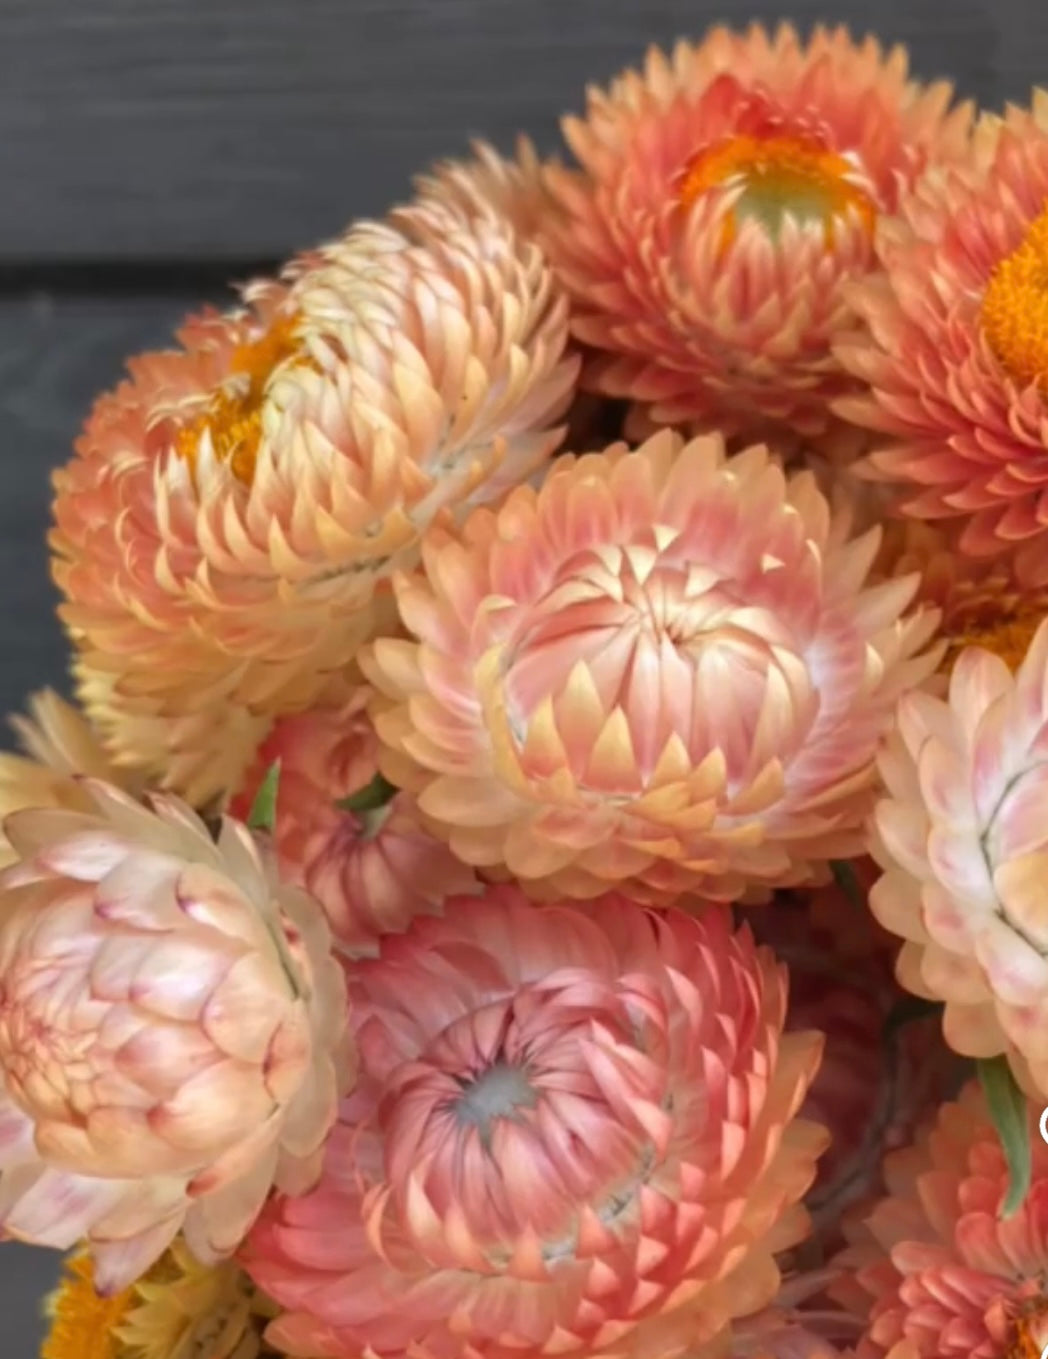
179,1309
172,1033
373,867
940,1273
662,668
573,1135
233,509
954,354
962,838
728,195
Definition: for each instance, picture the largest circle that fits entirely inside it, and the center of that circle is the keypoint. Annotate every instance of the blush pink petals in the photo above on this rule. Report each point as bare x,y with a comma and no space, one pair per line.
661,669
573,1135
962,838
372,870
172,1033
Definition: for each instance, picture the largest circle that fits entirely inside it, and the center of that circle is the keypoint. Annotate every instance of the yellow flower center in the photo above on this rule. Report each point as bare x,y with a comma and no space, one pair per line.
1009,638
1015,307
83,1325
779,176
234,416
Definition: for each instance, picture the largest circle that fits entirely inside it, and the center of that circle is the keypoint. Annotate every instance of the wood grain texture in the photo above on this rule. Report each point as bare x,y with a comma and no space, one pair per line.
230,129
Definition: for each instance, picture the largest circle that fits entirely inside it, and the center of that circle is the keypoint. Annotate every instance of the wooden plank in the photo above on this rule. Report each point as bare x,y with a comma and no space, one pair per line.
219,129
55,355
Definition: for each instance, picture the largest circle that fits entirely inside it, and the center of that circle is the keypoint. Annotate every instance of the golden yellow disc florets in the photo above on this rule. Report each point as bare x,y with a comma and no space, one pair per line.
1015,307
83,1325
779,176
234,415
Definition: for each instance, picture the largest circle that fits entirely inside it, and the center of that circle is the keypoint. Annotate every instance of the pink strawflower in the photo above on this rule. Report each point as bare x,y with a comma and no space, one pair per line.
172,1033
573,1135
373,870
962,836
728,195
941,1273
661,669
954,357
226,530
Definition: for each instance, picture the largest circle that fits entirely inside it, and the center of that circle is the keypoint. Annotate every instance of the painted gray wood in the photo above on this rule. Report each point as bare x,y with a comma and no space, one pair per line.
239,129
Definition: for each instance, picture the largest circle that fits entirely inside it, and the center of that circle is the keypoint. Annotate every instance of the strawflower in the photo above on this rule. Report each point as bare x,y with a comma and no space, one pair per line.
573,1135
939,1272
223,534
961,837
172,1033
372,865
728,194
179,1309
954,353
661,669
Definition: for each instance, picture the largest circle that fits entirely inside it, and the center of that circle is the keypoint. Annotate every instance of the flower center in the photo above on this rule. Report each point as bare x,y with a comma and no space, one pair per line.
1030,1331
496,1093
83,1325
1015,307
233,418
1008,637
778,177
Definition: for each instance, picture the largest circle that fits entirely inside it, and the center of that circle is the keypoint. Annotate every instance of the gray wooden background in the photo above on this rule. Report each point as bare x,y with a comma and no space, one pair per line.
151,149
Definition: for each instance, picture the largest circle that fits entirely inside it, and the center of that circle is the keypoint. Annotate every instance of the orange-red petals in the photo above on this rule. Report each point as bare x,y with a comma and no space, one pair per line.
573,1135
662,669
954,354
938,1271
728,194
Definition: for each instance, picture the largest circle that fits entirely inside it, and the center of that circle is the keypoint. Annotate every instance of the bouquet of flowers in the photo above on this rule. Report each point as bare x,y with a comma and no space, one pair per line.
550,856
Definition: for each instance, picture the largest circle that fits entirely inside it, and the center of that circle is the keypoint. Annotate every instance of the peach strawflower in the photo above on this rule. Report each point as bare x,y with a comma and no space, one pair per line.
225,529
372,869
573,1135
883,1070
940,1273
172,1033
962,836
728,194
59,747
661,669
954,361
179,1309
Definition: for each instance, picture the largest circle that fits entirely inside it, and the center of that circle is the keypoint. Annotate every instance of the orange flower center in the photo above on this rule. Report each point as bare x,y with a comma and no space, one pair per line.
1009,638
83,1325
1030,1332
233,417
1015,307
779,177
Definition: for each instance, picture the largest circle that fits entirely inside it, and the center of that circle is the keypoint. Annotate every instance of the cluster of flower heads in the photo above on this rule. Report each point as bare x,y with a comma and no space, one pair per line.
550,857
